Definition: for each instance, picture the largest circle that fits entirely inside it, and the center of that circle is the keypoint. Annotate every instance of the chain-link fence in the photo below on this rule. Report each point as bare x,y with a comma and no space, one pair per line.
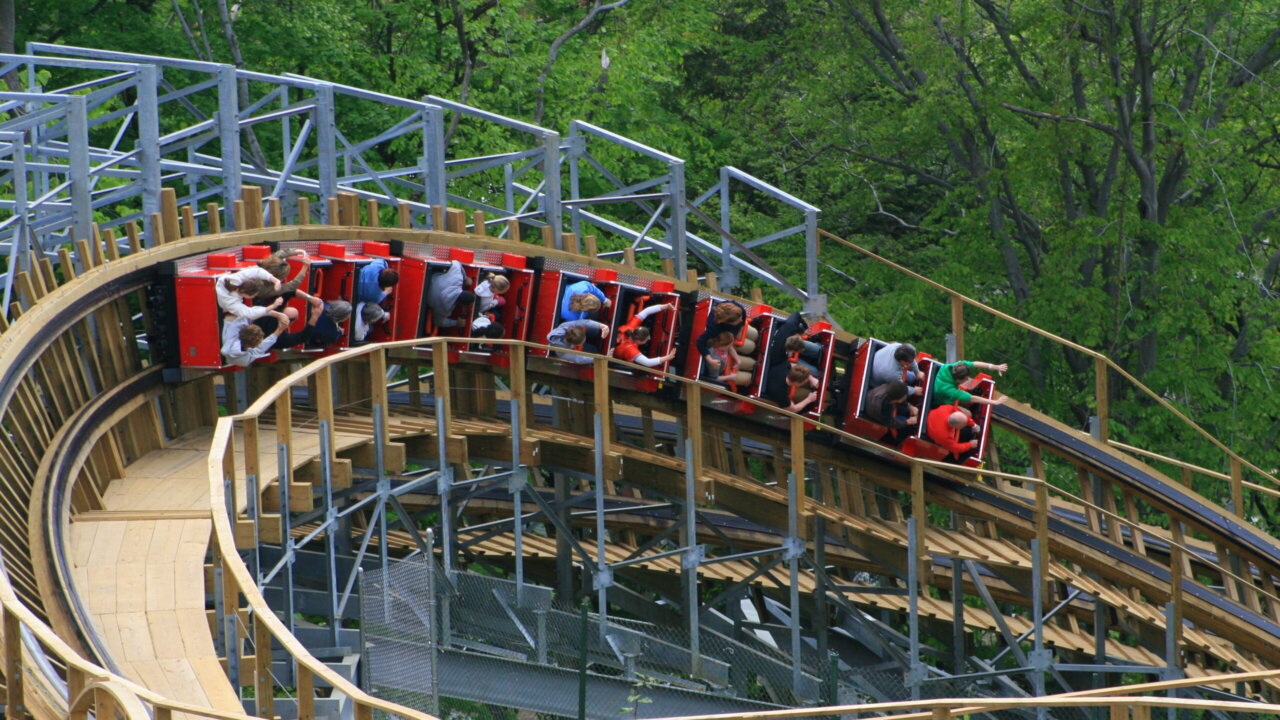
473,646
430,640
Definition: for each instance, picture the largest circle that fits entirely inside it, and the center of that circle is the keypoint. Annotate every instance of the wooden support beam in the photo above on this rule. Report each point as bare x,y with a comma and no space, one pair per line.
332,205
109,244
1100,395
189,228
169,214
571,242
629,257
275,217
324,401
589,246
213,218
456,220
252,196
14,675
704,490
238,212
548,237
513,230
437,217
1237,487
263,683
712,282
157,231
957,324
404,215
668,267
757,296
478,226
348,208
371,213
304,210
306,693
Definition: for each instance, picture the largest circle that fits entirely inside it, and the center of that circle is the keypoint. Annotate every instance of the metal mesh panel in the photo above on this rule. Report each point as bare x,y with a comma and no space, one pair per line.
399,645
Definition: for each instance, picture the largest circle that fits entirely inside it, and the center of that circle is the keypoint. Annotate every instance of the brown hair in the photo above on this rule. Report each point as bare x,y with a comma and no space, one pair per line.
251,336
727,313
388,278
960,371
798,374
638,335
498,283
795,343
275,265
585,302
724,339
251,287
575,336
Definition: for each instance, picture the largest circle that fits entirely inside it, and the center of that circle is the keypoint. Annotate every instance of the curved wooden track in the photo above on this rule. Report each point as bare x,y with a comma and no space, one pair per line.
116,545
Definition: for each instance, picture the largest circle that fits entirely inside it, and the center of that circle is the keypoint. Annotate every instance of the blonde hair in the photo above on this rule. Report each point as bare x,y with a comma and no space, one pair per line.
498,283
585,302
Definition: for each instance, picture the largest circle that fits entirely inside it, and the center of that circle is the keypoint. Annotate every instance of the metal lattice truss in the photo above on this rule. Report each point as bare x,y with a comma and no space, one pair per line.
97,134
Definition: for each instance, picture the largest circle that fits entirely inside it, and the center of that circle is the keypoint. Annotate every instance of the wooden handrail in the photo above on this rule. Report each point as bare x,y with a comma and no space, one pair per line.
1102,362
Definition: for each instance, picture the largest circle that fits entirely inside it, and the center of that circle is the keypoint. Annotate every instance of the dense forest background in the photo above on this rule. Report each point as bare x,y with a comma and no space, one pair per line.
1105,170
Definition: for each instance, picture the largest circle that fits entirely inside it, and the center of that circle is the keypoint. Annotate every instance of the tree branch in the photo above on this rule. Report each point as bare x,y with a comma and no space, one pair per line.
596,10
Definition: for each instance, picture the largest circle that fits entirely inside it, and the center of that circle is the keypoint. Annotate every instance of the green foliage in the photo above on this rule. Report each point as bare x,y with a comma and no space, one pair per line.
1027,154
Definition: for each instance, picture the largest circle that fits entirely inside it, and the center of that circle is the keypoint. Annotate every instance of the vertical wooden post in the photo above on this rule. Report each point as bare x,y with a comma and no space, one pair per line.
478,226
713,283
169,214
306,693
600,395
371,213
941,713
238,212
757,296
349,208
589,246
669,267
1175,594
212,218
252,196
76,682
437,217
135,241
456,220
571,242
304,210
332,204
378,384
252,454
189,228
440,367
1100,393
364,711
548,237
957,324
519,383
1237,487
15,678
262,682
629,257
157,231
513,230
404,215
324,401
693,420
274,216
109,243
920,511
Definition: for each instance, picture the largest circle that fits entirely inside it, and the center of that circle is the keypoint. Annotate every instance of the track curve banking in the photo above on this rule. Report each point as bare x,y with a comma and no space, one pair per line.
82,404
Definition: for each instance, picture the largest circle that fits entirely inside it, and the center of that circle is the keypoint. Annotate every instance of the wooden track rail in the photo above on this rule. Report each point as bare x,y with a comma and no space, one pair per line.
72,342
